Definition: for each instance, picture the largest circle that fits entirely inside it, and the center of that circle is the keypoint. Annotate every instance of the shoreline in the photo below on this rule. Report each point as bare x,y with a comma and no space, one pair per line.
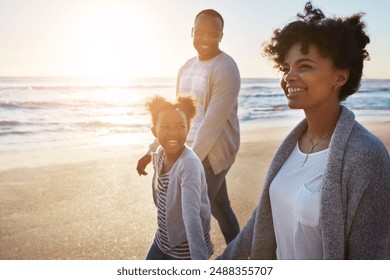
88,202
29,155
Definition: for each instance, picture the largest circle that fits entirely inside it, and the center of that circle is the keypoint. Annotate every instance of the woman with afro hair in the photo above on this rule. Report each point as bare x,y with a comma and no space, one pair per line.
327,191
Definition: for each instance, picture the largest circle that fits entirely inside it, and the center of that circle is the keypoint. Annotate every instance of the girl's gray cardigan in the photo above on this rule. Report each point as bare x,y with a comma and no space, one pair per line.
188,211
355,203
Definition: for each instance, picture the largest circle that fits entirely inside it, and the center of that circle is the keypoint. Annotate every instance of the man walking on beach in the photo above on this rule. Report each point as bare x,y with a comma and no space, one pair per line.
213,78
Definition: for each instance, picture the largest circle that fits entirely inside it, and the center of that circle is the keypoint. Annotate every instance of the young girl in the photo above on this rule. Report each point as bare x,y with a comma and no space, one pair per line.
179,185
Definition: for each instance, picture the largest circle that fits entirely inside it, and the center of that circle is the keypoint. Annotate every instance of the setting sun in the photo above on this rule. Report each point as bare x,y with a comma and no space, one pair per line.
114,43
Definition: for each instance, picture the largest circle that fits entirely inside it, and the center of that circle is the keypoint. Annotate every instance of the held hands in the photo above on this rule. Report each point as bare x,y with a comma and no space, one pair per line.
142,163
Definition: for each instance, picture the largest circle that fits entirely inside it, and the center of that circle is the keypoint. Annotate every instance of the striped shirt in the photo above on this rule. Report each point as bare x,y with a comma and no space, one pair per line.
181,251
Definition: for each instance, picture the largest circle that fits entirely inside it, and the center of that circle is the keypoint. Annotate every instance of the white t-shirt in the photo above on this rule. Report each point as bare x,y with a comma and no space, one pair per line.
295,195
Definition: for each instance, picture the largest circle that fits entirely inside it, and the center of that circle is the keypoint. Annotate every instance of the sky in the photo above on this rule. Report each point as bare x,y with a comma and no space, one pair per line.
130,38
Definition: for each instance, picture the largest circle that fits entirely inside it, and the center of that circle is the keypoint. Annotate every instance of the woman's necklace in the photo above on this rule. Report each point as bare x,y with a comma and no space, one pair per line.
313,145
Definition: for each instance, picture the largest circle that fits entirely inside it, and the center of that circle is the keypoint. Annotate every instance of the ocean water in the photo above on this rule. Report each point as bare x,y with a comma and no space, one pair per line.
49,111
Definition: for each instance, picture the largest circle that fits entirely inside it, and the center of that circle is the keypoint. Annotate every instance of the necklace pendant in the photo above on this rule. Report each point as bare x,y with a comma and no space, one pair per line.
313,145
304,161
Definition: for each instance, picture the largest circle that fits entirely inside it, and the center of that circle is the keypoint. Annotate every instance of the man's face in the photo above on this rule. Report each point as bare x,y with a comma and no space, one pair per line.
207,33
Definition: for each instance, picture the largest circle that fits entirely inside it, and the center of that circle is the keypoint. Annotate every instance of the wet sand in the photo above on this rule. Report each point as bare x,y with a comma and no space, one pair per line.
90,203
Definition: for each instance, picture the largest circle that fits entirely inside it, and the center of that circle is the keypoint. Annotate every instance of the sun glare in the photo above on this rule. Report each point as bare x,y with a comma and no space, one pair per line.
115,44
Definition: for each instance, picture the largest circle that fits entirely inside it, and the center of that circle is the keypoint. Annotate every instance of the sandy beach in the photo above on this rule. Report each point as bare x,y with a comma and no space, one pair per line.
89,202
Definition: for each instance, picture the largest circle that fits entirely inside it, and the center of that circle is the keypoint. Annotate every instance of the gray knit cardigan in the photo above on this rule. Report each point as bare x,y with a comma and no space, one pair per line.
188,211
355,203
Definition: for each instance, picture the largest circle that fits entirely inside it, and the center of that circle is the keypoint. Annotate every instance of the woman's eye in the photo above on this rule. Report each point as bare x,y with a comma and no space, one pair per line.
304,66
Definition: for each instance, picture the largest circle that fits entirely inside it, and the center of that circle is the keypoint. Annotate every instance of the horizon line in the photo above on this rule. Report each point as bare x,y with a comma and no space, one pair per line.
140,77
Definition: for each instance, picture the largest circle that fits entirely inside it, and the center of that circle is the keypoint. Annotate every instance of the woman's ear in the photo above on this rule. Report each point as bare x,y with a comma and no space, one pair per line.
342,77
153,129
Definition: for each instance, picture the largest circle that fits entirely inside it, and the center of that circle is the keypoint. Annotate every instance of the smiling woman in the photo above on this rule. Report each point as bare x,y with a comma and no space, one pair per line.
115,44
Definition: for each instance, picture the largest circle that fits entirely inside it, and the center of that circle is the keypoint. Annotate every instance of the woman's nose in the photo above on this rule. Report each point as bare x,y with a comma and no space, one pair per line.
290,75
